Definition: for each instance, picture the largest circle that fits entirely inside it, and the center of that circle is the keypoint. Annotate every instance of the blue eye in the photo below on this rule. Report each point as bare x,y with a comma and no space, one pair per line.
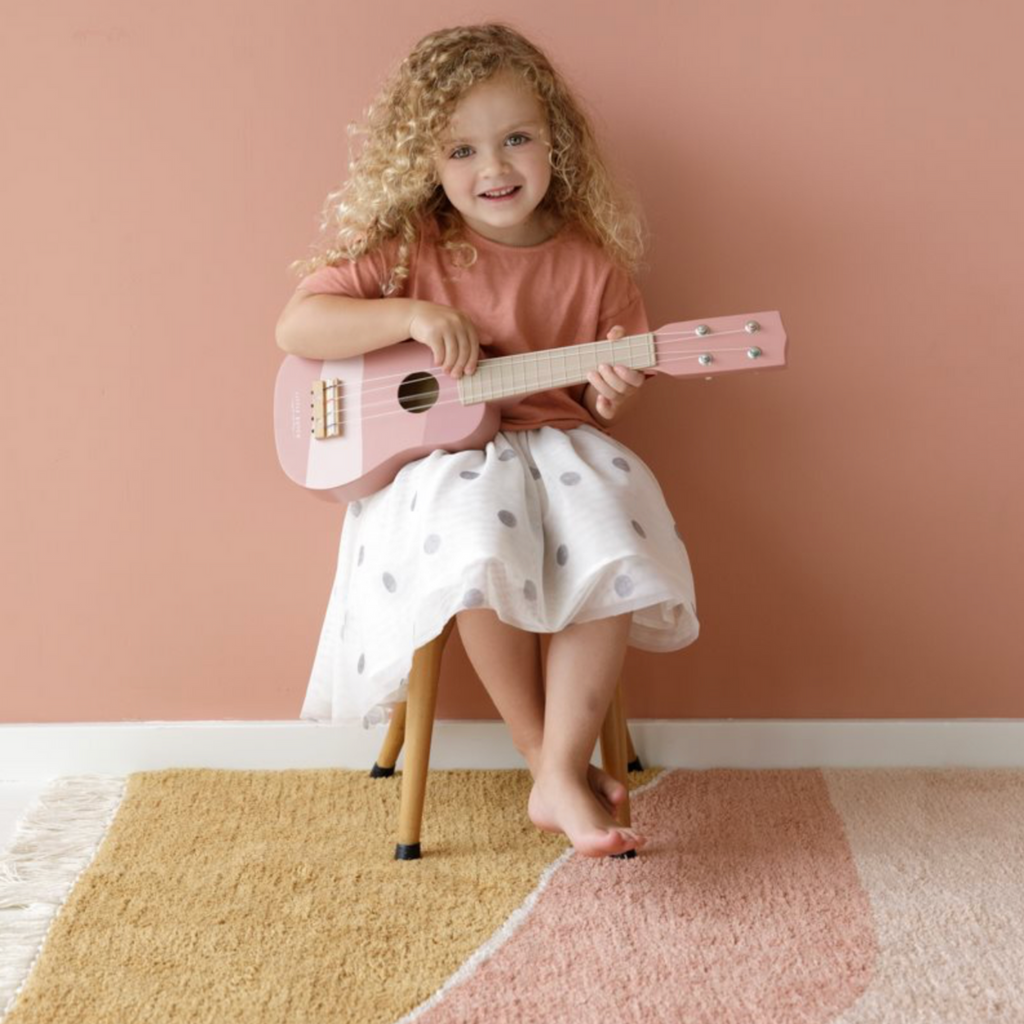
514,135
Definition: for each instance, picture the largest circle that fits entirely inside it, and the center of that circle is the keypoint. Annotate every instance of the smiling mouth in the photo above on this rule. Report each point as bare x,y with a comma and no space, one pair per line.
505,195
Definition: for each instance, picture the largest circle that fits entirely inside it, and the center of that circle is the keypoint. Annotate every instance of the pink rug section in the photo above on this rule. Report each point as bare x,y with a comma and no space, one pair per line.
744,905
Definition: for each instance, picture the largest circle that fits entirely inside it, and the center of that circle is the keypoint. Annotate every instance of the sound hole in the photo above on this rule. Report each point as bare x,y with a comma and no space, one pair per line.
418,392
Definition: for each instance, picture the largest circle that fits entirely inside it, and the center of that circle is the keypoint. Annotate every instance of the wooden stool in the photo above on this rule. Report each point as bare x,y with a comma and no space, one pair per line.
412,723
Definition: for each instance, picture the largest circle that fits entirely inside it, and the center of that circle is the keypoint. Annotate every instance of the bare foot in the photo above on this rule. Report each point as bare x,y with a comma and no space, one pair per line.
560,803
608,790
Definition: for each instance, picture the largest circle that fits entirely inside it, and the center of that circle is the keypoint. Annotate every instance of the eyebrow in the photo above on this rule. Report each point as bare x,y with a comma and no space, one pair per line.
515,124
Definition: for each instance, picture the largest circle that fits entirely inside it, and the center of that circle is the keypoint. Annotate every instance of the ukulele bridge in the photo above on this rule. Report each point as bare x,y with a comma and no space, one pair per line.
326,407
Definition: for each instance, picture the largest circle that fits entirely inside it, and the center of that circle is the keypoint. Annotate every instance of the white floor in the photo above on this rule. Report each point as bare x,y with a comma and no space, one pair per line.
15,800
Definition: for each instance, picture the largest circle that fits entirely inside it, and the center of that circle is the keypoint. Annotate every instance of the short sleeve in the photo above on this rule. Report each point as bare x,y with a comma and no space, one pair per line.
622,304
363,278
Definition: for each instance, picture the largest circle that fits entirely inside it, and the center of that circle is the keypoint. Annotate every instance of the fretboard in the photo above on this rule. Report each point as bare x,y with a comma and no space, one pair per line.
552,368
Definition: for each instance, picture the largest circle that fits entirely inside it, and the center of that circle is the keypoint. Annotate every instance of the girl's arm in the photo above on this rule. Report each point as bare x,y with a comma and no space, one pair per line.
326,326
338,326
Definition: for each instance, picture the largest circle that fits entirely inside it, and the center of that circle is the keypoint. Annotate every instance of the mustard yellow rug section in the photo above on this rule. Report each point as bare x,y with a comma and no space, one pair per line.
251,896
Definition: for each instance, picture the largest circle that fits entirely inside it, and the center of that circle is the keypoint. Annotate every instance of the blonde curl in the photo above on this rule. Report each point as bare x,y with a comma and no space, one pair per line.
393,184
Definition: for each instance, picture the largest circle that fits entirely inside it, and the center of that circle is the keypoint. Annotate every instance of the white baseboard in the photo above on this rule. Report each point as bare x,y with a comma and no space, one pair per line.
50,750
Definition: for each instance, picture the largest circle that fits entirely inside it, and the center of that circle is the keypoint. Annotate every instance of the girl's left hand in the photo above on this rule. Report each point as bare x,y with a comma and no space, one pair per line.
615,385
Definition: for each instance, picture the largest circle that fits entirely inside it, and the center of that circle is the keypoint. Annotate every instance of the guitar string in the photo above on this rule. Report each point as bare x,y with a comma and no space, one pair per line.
503,393
532,358
456,401
330,420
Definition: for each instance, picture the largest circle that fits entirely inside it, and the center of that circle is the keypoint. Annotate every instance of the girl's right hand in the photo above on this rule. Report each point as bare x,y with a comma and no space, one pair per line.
449,334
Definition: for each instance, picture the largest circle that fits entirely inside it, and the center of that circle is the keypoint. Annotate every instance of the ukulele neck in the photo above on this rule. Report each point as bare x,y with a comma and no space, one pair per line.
524,374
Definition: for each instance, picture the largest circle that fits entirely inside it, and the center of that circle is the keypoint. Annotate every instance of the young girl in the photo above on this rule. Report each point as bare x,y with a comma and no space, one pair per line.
480,221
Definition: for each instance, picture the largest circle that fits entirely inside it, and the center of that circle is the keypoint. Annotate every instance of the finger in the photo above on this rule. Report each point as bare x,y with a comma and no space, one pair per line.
465,350
617,331
474,351
630,376
451,352
599,384
442,352
613,380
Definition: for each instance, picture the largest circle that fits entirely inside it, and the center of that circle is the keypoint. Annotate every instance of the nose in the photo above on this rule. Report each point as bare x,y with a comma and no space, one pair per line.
496,161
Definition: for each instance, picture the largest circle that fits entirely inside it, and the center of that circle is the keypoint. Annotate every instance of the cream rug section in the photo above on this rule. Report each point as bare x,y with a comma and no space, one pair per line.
52,846
940,853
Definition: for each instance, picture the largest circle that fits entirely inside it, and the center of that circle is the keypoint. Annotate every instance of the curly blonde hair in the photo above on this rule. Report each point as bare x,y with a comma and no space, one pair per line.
394,183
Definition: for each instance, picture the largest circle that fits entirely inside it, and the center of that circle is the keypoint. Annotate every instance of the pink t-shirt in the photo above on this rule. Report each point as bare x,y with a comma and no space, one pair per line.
565,291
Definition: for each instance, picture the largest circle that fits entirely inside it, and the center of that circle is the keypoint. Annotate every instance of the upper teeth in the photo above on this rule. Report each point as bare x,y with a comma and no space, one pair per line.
501,192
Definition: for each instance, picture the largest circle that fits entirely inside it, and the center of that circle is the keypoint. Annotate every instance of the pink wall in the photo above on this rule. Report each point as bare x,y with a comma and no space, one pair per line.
854,521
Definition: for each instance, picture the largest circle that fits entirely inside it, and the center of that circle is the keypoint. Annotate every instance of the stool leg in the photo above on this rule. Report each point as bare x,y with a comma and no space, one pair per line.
419,725
633,762
384,766
614,735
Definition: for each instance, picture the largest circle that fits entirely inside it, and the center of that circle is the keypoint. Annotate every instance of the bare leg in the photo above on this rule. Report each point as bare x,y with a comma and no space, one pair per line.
508,662
584,663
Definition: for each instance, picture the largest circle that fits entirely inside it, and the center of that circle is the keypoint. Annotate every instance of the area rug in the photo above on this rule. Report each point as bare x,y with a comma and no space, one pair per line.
783,896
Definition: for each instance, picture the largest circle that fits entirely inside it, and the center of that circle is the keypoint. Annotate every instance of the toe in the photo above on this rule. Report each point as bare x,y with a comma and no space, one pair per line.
608,790
614,790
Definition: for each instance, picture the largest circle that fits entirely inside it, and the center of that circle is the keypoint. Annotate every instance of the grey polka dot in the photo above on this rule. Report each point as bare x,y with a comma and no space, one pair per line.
621,463
535,472
389,582
570,479
362,664
508,453
357,508
507,518
639,529
468,474
473,598
432,543
623,586
362,551
562,554
412,507
530,590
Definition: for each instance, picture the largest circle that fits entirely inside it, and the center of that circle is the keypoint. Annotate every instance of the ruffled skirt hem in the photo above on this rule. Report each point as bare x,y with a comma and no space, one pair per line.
663,620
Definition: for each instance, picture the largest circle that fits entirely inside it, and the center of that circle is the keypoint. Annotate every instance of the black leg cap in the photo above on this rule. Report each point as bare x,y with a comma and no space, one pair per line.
407,851
635,766
376,772
623,856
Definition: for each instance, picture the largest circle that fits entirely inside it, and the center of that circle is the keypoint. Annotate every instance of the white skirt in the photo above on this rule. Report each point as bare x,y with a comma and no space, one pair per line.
547,527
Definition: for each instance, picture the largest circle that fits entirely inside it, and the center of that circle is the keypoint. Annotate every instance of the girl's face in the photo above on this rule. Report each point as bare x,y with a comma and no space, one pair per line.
498,138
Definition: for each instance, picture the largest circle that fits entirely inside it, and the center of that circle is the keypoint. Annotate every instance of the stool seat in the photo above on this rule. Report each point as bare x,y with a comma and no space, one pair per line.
412,724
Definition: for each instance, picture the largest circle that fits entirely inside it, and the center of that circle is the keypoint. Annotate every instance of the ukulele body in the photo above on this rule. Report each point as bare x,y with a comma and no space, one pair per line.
389,407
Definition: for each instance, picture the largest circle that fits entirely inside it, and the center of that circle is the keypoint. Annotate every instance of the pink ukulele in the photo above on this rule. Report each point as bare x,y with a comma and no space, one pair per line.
345,427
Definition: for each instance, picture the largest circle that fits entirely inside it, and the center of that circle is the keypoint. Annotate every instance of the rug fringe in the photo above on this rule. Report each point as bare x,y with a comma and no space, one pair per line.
53,844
